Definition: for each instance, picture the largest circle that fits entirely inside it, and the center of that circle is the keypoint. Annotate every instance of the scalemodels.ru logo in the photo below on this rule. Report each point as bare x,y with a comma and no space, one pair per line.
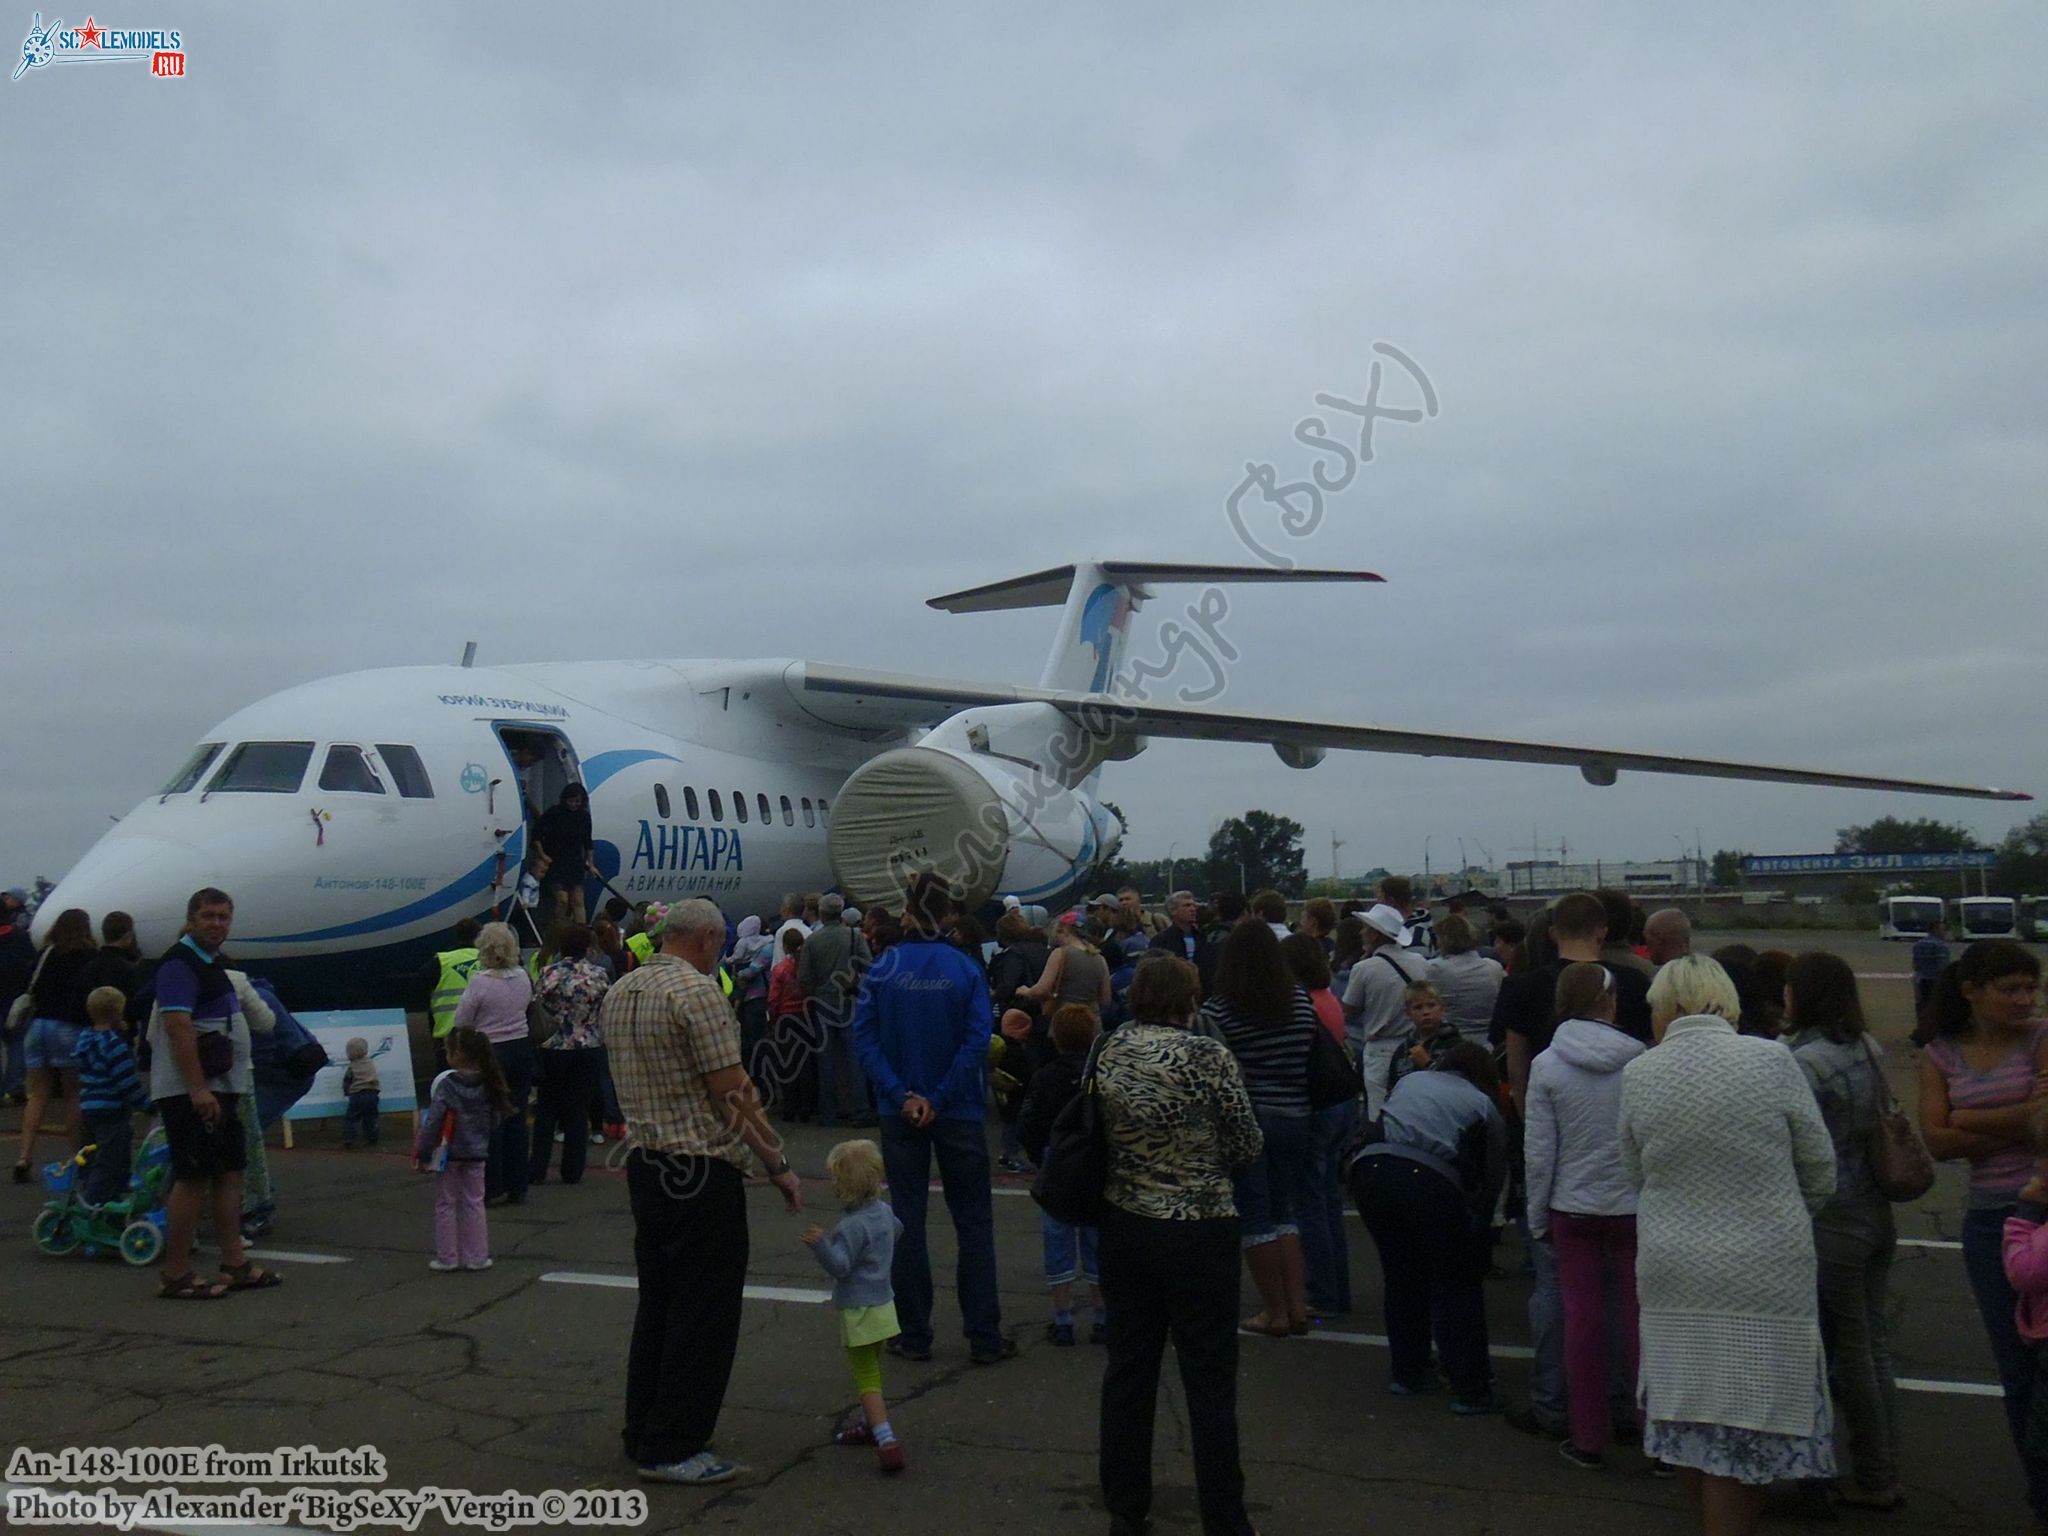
164,51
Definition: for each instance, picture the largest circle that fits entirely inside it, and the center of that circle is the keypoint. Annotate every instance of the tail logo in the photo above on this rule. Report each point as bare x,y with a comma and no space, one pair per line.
1104,620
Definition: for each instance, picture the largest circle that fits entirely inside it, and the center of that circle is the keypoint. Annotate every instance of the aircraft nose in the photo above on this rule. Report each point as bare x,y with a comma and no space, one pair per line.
146,875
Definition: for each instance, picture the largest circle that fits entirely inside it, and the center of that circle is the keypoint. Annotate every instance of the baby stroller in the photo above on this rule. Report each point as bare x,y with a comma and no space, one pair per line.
132,1225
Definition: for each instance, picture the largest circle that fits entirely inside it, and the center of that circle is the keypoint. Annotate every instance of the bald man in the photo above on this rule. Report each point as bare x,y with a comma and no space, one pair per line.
1667,934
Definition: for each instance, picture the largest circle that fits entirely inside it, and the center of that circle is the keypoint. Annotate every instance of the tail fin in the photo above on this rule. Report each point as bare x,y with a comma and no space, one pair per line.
1099,599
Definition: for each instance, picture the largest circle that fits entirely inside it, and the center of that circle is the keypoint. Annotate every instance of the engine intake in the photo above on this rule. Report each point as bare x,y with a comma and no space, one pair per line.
989,825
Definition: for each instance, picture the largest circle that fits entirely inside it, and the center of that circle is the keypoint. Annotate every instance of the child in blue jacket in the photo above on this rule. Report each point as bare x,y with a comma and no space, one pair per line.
857,1254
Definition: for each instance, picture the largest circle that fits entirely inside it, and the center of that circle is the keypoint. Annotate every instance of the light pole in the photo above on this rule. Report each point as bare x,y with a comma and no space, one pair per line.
1169,867
1425,865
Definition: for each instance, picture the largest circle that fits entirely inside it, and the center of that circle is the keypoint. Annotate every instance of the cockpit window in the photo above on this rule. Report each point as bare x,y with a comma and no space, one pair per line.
263,767
201,759
349,772
406,770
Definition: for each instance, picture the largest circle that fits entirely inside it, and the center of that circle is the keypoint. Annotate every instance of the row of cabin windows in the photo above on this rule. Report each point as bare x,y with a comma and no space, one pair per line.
279,768
813,814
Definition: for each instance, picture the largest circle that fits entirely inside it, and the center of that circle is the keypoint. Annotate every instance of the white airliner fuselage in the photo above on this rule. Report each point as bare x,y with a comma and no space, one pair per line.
355,820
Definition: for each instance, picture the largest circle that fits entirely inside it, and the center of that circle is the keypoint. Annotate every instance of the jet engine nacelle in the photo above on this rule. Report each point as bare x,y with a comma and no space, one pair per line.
991,826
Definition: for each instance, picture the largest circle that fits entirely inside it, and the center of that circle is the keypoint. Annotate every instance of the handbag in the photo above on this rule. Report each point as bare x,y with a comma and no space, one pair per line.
216,1053
1898,1157
1075,1168
21,1010
1333,1073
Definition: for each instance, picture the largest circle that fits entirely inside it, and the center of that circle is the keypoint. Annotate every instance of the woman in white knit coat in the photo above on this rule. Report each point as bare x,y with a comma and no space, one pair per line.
1722,1135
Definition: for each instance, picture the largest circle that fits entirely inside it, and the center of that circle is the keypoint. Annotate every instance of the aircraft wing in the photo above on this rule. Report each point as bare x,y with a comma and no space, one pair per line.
872,702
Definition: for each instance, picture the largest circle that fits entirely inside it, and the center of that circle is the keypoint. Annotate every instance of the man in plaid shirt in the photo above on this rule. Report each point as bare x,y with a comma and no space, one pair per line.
693,1117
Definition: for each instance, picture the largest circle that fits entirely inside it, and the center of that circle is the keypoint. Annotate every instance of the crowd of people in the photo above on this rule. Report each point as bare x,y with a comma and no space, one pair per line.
1688,1148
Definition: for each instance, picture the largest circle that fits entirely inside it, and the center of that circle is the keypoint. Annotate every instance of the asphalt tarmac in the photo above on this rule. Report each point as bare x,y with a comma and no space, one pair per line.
512,1378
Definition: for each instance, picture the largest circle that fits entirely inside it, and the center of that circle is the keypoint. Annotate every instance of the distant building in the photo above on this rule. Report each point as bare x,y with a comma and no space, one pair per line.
1551,877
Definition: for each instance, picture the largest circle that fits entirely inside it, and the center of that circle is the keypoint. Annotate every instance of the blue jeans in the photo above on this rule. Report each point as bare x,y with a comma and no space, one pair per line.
1274,1188
962,1150
1983,1236
360,1118
1070,1252
1326,1254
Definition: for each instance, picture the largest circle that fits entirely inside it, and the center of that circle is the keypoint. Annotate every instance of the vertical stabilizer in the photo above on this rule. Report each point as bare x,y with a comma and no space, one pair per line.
1088,647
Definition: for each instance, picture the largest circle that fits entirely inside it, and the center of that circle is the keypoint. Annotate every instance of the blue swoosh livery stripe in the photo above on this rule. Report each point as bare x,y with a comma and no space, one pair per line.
459,890
1073,874
603,766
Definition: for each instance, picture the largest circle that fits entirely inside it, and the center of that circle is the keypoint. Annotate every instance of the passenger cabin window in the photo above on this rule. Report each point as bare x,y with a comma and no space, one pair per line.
739,805
824,809
810,818
201,759
689,802
788,812
661,801
347,771
717,805
767,816
263,768
406,770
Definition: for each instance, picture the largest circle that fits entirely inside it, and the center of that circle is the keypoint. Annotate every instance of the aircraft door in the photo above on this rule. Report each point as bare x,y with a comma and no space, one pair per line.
543,763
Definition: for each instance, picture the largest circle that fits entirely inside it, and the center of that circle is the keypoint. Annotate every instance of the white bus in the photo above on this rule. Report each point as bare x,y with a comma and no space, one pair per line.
1983,917
1908,917
2034,916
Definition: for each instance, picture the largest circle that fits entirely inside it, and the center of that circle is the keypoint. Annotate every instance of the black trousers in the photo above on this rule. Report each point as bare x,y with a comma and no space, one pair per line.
690,1247
1433,1257
1176,1278
568,1079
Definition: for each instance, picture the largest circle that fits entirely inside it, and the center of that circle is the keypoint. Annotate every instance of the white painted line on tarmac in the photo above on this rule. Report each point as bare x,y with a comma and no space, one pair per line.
793,1293
1523,1352
1927,1242
1884,975
288,1256
1950,1388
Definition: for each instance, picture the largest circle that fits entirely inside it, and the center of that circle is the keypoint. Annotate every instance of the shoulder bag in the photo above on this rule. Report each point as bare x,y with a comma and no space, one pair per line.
22,1009
1075,1168
1898,1157
1334,1076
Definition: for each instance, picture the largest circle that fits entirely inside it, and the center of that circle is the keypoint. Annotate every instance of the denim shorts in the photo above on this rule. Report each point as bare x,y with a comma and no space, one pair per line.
52,1044
1069,1252
1273,1188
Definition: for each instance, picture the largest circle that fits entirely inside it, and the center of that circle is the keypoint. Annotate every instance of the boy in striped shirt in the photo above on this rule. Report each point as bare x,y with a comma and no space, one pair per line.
109,1091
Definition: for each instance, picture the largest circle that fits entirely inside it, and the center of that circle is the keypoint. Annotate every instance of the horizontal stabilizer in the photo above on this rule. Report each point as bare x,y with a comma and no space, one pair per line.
1049,588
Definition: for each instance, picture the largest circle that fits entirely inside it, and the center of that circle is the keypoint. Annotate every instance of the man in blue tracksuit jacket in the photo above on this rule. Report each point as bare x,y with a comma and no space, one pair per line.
921,1026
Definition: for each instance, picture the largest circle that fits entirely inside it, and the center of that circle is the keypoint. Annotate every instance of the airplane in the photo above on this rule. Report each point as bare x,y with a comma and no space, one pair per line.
355,819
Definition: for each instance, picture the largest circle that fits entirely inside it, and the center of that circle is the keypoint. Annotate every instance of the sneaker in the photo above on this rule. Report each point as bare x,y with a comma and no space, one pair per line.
1466,1408
1061,1334
853,1430
1006,1349
1526,1421
903,1351
597,1138
1099,1333
1399,1388
480,1264
1011,1164
616,1131
693,1471
891,1457
560,1138
442,1266
1592,1461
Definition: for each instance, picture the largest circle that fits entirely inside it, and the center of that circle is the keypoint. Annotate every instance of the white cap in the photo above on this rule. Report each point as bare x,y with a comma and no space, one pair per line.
1386,921
1011,904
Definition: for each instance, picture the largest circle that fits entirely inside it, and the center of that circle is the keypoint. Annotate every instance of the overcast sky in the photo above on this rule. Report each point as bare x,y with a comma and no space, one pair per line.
742,332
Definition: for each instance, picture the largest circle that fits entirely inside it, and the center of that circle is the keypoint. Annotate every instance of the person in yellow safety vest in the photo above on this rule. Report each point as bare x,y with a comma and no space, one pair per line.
452,968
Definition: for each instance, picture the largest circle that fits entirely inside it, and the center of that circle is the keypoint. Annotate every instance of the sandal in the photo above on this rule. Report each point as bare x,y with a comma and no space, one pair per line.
245,1276
1257,1324
189,1287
